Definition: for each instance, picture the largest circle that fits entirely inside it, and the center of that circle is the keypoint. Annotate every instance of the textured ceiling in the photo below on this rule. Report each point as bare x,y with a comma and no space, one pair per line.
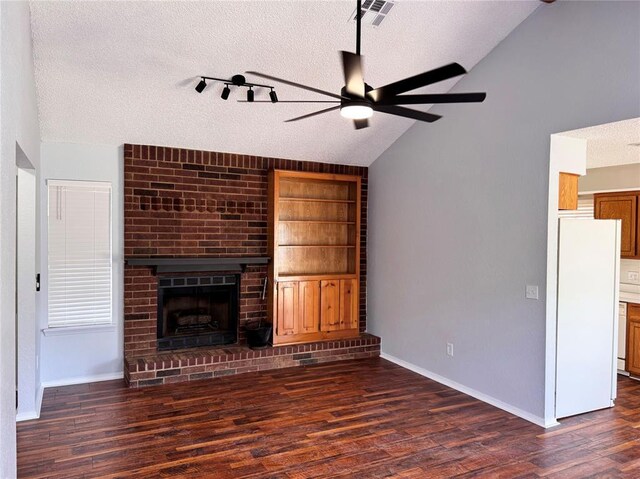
116,72
611,144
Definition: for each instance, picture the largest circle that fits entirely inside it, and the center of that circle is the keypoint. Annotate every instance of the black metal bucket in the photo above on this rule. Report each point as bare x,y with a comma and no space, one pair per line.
258,338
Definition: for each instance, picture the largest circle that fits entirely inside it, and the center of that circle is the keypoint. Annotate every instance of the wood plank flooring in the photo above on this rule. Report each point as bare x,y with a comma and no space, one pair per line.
356,419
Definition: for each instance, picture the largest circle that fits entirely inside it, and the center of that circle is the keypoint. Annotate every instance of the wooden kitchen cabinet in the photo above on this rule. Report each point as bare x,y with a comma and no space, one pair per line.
313,222
568,191
621,206
633,339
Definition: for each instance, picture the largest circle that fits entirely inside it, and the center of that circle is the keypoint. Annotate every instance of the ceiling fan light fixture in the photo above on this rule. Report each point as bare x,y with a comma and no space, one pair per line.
356,111
225,92
273,96
250,95
201,86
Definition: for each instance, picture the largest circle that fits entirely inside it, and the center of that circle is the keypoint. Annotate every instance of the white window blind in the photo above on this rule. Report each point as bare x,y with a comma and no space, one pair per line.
584,211
79,282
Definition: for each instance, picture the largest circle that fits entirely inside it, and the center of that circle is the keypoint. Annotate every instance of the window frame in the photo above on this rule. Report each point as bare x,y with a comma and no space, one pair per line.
88,325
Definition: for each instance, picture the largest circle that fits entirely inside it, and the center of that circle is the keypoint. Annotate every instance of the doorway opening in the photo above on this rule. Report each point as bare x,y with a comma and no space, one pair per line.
604,164
26,335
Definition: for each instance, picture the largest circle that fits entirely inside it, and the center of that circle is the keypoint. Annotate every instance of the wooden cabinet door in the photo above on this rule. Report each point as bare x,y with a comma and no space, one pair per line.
633,339
330,305
287,320
348,304
309,306
633,347
620,207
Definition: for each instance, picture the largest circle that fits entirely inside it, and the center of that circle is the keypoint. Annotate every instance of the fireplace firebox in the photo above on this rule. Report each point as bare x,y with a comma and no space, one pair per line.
197,311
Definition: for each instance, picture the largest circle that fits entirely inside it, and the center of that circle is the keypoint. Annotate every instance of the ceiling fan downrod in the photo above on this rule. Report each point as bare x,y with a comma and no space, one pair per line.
358,25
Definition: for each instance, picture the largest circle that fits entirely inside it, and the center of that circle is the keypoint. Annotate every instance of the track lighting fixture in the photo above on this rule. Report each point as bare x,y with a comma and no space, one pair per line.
201,86
239,81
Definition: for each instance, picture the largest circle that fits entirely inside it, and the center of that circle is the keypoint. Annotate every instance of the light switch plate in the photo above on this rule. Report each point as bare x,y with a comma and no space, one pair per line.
532,291
633,276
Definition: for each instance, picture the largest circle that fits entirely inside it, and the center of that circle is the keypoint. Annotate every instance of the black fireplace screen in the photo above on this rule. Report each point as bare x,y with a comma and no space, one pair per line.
197,311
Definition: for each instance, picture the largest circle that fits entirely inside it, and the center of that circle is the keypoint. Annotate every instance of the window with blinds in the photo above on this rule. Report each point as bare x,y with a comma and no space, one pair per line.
79,252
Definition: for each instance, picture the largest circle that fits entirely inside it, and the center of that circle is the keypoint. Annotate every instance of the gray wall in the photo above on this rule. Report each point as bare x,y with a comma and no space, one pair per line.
86,354
458,208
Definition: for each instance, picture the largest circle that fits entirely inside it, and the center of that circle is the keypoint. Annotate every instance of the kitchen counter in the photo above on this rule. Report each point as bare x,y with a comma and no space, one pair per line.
630,293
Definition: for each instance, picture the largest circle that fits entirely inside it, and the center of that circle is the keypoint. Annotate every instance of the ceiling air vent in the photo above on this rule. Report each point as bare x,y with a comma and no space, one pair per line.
374,11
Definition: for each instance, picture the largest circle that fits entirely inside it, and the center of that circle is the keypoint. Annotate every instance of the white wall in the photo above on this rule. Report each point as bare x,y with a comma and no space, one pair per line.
458,208
18,124
97,353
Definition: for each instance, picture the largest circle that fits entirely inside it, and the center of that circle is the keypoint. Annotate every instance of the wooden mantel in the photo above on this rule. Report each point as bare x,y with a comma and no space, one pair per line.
185,265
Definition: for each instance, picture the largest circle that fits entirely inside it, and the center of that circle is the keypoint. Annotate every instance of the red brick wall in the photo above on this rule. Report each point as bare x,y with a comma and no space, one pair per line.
186,203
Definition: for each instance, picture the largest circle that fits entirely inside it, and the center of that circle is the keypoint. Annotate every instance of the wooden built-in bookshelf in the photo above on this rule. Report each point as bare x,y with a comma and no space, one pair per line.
314,239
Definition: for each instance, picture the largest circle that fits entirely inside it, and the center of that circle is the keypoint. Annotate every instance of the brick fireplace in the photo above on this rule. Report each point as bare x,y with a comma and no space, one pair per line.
197,204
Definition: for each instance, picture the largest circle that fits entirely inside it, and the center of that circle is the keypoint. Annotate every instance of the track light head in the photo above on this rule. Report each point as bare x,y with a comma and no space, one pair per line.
201,86
273,96
250,94
225,92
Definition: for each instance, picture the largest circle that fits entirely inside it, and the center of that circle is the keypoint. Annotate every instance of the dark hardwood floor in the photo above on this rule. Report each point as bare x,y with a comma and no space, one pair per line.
357,419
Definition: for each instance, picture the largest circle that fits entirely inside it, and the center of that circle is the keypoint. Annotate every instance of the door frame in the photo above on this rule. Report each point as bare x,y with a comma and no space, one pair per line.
27,338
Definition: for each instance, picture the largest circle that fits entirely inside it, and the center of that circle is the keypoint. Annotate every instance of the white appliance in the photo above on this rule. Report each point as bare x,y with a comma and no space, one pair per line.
587,330
622,336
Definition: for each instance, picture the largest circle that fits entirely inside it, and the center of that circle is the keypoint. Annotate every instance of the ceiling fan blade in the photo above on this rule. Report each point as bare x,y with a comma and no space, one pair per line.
352,67
417,81
436,98
313,114
297,85
407,113
360,124
289,101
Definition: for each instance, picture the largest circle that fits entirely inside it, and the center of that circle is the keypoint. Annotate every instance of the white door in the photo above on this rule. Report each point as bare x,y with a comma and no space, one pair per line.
588,265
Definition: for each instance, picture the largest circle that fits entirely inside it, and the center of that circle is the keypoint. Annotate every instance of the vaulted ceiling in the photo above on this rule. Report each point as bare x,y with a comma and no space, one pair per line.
116,72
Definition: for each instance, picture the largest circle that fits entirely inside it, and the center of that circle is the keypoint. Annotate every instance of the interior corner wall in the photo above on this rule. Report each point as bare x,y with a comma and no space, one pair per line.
96,353
18,126
458,208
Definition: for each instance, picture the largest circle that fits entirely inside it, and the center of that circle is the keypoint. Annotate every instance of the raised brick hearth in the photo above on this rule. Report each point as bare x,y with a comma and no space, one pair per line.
196,204
178,366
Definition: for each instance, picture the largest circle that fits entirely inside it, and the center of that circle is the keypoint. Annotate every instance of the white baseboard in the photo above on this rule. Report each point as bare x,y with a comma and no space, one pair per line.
537,420
82,380
26,416
39,399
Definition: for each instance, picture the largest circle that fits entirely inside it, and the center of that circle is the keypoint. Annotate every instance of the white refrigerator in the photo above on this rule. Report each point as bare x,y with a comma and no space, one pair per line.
587,328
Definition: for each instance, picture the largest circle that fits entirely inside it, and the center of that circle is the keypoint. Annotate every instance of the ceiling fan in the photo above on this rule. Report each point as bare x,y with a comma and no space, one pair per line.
358,100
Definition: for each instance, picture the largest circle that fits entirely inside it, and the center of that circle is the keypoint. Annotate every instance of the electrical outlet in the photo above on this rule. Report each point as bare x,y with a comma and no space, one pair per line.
450,349
633,276
531,291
